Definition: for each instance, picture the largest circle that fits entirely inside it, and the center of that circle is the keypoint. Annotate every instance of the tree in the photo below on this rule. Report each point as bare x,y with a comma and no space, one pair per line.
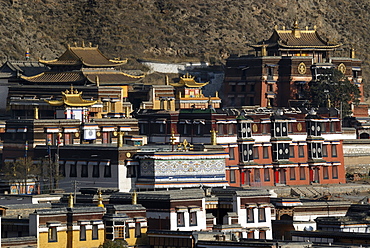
114,244
333,89
21,170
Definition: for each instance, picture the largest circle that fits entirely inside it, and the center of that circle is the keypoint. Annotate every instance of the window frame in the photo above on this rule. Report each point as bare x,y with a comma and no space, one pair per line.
52,234
261,214
82,232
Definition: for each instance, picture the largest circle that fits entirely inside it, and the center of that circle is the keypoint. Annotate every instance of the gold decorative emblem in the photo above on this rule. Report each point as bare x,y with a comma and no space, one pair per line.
128,154
302,68
255,128
342,68
98,134
299,127
77,135
115,133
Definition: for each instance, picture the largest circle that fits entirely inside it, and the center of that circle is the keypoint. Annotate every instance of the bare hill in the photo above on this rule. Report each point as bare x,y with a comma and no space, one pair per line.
173,30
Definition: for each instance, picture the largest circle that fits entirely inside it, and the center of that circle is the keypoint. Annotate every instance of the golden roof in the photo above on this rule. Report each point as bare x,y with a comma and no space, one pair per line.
87,56
297,38
188,81
71,98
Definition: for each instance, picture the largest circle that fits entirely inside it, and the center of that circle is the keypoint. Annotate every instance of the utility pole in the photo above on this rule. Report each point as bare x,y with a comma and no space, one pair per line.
75,191
26,167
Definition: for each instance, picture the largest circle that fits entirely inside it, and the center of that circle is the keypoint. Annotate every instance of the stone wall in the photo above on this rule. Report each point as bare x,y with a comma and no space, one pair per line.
357,156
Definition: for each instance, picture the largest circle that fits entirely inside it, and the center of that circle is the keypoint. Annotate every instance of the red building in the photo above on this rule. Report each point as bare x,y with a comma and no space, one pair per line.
280,67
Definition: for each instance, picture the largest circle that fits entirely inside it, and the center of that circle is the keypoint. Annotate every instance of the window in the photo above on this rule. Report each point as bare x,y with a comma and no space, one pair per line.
231,128
96,172
232,176
250,235
257,176
62,169
119,232
301,151
265,152
137,229
52,234
265,128
231,153
334,151
82,233
127,233
233,88
161,128
302,173
291,151
250,215
324,150
335,172
107,169
193,218
95,232
332,127
67,139
73,170
262,234
180,219
84,170
326,172
220,129
255,153
292,173
261,215
266,175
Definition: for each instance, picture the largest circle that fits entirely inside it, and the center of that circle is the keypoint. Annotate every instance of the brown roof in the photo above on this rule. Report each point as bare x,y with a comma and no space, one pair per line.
111,78
56,77
87,56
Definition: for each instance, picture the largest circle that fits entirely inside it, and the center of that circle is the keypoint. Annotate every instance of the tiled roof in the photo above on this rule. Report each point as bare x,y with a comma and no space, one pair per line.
88,56
307,38
111,78
56,77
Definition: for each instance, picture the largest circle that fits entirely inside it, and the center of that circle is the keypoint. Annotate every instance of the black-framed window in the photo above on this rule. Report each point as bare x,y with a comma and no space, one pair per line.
96,171
266,174
302,173
257,175
334,151
231,153
250,215
232,176
95,232
256,153
82,233
137,229
84,170
335,172
261,214
292,173
73,170
107,170
265,151
291,151
52,234
325,172
193,218
301,151
180,219
324,150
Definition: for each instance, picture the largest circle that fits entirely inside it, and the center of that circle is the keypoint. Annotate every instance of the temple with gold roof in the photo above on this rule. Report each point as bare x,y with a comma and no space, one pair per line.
87,70
276,71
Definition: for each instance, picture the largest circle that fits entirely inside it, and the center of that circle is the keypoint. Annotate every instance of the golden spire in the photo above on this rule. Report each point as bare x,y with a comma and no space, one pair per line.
134,198
213,137
100,200
70,201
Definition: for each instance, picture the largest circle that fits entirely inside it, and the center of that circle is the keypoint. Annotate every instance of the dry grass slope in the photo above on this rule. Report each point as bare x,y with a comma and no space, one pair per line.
173,29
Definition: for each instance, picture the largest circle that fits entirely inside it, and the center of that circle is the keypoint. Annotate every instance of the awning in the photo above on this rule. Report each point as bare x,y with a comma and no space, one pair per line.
11,130
105,163
356,68
108,129
71,130
81,162
52,129
132,162
90,127
125,128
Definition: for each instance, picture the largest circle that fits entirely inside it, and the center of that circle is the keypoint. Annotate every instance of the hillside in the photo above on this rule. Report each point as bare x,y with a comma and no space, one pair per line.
173,30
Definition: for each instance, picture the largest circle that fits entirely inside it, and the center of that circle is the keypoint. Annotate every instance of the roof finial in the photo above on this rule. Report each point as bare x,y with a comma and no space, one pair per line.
70,201
100,199
134,198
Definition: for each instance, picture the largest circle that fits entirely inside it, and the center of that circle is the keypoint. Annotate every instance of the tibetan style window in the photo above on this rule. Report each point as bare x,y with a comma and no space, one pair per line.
52,234
180,219
82,233
335,172
84,170
257,175
302,173
250,235
334,150
193,218
261,214
231,153
266,174
265,152
262,234
332,127
107,169
137,229
95,232
301,151
250,215
95,166
292,173
324,150
127,231
291,151
255,153
73,170
232,176
326,172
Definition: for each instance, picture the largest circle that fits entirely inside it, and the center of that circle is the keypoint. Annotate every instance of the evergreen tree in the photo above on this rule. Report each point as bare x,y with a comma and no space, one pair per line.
333,89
